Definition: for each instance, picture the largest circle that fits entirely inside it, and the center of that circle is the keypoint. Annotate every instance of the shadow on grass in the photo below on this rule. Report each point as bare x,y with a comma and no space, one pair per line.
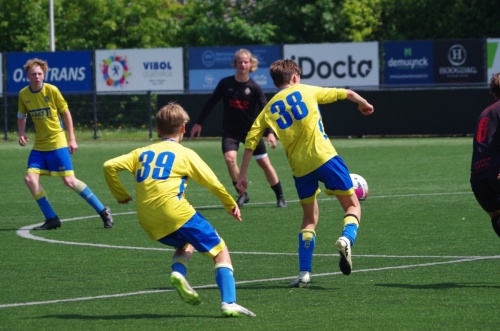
440,286
125,317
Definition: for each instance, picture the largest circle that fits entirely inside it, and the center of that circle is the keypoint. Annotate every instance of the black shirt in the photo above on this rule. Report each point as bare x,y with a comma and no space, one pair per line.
242,103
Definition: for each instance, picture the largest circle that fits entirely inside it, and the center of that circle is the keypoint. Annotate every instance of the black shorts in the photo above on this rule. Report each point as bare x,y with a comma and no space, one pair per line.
231,143
487,192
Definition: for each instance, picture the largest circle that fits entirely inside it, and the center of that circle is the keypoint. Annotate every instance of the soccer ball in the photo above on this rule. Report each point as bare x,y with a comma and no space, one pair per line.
360,186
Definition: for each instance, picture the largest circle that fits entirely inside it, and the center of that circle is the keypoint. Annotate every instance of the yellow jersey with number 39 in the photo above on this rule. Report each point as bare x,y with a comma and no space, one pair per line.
161,172
293,114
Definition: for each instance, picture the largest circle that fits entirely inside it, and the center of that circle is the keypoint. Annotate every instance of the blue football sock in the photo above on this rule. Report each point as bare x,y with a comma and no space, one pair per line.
180,268
225,280
91,199
45,207
350,231
307,242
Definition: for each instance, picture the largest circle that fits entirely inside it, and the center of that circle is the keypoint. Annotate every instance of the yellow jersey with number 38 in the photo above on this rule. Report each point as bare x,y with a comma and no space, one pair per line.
293,114
162,172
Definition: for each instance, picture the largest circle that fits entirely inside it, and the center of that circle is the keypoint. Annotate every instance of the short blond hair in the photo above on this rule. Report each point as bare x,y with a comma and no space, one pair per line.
36,62
253,60
170,118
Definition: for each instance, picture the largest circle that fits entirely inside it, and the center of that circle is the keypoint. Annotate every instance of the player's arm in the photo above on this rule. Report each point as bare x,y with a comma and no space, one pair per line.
111,169
364,107
68,124
201,173
242,183
252,140
209,105
21,122
21,127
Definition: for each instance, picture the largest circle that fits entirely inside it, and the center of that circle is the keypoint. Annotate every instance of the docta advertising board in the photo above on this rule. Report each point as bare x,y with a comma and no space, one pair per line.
70,71
339,64
208,65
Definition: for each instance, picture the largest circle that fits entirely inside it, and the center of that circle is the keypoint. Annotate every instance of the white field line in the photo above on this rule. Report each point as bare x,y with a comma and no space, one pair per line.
25,233
120,295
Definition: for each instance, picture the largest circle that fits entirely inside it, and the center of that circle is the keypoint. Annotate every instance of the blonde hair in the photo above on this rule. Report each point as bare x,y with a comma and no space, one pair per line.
36,62
170,118
495,85
253,60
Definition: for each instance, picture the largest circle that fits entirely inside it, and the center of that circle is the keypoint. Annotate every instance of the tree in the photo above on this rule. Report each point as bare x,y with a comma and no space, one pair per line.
24,27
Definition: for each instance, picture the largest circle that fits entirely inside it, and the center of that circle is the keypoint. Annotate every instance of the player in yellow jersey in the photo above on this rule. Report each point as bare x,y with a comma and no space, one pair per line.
50,156
162,172
293,114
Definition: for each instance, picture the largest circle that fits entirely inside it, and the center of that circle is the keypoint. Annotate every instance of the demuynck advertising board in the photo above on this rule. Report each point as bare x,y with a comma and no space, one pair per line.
459,61
70,71
408,62
121,70
492,57
338,64
208,65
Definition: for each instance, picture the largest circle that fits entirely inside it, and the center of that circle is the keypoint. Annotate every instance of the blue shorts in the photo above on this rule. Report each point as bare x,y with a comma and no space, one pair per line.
51,163
199,233
333,173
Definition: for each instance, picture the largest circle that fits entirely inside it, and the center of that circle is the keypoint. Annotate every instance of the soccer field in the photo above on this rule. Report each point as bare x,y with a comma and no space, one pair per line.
426,257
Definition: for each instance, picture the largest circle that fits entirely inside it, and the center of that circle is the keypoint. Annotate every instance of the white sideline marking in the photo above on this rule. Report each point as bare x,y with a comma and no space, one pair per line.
25,233
476,258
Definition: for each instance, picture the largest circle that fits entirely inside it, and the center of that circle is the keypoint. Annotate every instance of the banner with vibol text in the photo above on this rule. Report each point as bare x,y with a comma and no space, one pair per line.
70,71
459,61
336,65
120,70
408,62
208,65
492,57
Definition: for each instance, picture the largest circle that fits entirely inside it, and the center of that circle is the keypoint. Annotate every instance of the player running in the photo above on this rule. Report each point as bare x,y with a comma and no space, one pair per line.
162,172
293,114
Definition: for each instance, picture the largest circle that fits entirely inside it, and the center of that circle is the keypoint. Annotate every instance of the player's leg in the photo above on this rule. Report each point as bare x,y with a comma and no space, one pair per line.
495,221
37,166
86,193
178,276
62,160
180,259
307,189
227,286
262,159
487,194
338,182
230,150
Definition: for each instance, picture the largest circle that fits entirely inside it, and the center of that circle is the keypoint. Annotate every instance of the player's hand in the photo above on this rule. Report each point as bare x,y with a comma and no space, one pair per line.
236,213
23,140
366,109
124,202
72,145
271,140
242,185
195,131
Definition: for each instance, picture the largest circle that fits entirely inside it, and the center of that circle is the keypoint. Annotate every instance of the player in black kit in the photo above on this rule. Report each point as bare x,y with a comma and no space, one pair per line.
485,168
243,99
